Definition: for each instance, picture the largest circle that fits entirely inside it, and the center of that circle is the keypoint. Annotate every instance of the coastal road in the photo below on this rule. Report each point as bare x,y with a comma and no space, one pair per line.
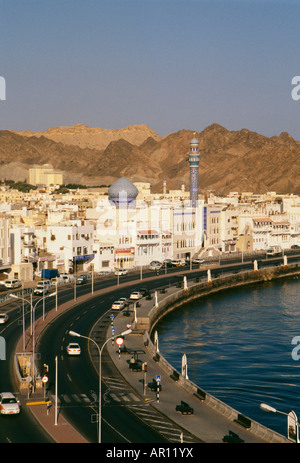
24,428
78,381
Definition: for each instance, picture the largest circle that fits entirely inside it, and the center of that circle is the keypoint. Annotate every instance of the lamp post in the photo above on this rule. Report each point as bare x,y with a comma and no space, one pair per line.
33,307
292,422
100,350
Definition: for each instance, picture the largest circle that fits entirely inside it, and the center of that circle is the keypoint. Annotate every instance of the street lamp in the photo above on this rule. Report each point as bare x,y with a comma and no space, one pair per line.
33,307
124,333
292,422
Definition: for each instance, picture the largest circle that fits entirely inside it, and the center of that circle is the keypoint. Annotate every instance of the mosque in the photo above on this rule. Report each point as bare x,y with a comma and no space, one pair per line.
123,192
152,230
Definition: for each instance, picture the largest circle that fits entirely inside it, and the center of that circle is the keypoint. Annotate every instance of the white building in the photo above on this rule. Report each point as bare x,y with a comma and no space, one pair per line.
71,245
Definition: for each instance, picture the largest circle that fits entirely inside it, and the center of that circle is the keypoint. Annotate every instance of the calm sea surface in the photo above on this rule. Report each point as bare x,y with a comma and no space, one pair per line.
239,348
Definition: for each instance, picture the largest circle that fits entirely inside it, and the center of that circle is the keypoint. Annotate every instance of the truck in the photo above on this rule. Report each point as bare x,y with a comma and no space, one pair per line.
274,251
49,273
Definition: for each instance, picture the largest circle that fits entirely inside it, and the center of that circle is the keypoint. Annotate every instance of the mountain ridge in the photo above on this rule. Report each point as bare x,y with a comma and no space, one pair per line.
240,160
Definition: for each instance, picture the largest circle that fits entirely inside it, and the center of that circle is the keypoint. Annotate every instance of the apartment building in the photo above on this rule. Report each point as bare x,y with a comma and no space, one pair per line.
69,246
45,176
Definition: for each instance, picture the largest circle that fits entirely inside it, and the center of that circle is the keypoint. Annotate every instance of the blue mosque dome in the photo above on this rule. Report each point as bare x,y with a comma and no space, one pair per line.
122,190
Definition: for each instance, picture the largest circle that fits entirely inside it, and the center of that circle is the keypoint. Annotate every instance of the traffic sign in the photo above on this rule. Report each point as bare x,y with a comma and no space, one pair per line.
119,340
112,316
45,379
158,378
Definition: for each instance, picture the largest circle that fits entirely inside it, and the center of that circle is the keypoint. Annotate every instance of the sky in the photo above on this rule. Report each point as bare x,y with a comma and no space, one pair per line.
169,64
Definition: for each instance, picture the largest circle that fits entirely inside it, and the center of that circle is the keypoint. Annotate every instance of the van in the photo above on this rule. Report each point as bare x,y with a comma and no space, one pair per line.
12,283
67,277
44,284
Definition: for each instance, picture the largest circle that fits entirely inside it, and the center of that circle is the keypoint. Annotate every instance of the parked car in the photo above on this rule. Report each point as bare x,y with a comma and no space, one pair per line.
73,349
155,265
198,261
9,404
168,263
176,262
3,318
121,271
118,305
12,283
136,295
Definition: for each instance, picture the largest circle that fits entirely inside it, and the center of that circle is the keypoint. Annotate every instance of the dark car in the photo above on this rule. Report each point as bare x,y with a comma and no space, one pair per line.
144,292
168,263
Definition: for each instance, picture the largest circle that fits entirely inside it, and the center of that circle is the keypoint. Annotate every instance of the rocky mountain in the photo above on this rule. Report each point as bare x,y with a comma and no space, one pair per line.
94,137
229,160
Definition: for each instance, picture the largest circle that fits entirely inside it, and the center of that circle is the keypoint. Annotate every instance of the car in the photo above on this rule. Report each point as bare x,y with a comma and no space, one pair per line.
124,300
167,263
73,348
3,288
121,271
9,404
81,280
144,292
40,291
176,262
136,295
3,317
155,265
295,246
198,261
12,283
118,305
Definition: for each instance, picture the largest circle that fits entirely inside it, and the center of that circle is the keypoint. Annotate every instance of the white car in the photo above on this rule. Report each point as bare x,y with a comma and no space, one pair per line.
40,291
9,404
3,317
136,295
12,283
121,271
124,300
155,265
118,305
198,261
73,348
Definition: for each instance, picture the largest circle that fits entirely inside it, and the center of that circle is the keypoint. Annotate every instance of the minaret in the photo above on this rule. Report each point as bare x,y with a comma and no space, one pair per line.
165,186
194,158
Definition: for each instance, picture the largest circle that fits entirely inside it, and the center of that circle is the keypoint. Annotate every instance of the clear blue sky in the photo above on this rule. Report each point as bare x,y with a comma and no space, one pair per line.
170,64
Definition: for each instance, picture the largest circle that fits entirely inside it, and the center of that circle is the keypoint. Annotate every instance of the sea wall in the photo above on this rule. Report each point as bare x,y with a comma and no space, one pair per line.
196,290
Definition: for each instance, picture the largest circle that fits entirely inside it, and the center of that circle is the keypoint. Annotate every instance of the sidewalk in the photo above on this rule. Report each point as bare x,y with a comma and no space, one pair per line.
63,431
206,423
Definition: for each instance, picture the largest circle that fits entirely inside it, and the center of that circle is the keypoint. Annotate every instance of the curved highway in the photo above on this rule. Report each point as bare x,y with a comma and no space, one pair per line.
78,378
